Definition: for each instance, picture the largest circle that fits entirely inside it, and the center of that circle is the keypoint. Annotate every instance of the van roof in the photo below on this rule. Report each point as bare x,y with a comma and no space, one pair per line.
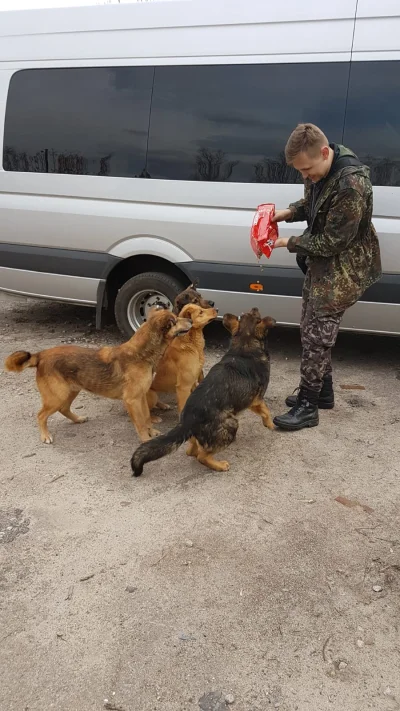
176,13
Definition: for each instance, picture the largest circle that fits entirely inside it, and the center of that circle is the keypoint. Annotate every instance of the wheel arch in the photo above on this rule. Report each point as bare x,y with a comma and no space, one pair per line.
127,268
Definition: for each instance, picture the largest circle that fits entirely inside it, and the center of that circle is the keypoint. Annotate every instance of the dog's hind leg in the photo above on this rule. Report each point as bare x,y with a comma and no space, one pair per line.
208,460
43,416
261,409
193,448
55,393
66,410
220,437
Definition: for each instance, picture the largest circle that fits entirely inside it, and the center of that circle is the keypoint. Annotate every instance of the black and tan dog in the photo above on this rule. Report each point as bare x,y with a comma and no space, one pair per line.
122,372
238,382
191,296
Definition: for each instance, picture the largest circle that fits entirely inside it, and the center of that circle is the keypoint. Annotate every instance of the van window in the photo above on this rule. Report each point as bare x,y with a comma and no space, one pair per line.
373,118
231,122
213,123
85,121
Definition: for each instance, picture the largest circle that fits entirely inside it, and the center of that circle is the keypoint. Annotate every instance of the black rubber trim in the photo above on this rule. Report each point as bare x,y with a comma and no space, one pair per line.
70,262
280,281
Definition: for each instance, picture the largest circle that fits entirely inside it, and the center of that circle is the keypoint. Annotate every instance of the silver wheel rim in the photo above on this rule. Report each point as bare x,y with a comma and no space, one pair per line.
141,303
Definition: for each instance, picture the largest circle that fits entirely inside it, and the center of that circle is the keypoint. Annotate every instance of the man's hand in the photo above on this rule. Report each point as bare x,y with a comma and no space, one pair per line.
281,215
281,242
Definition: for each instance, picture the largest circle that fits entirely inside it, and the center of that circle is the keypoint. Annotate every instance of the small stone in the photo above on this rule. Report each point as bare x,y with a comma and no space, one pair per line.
230,699
342,665
377,588
189,544
360,643
130,589
388,691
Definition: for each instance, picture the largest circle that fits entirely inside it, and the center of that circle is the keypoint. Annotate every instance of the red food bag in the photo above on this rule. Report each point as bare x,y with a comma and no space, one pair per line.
264,233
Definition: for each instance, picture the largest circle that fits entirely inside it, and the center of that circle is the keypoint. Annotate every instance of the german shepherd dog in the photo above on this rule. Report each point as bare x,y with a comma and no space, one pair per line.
122,372
238,382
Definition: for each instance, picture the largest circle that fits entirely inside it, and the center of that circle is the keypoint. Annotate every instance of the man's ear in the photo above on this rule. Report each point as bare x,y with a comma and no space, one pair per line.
231,323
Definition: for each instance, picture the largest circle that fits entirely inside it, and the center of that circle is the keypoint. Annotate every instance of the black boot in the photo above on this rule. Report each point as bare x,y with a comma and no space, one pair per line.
303,414
326,400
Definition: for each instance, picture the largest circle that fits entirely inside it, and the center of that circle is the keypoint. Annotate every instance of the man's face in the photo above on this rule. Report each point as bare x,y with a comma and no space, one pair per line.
315,166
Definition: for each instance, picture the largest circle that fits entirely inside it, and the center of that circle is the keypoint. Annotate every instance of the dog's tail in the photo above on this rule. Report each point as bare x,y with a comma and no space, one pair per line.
157,448
20,360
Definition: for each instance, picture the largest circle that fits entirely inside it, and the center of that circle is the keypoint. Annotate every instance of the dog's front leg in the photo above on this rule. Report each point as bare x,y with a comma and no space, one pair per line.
261,409
182,394
139,413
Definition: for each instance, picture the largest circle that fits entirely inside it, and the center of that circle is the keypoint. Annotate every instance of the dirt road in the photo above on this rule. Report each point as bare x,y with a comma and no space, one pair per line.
188,589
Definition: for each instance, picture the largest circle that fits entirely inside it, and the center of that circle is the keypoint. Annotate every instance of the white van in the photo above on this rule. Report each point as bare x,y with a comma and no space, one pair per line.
139,139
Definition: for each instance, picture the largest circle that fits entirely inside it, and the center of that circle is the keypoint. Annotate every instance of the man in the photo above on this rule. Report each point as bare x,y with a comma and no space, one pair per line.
339,253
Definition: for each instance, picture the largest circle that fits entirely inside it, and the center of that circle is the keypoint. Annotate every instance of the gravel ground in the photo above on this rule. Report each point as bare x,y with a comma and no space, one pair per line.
186,589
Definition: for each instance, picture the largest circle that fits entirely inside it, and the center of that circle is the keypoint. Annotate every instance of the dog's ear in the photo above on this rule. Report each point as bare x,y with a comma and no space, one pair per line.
170,321
264,325
231,323
269,322
188,310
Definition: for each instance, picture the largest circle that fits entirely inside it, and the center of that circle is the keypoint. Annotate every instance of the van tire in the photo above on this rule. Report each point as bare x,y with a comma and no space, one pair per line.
137,295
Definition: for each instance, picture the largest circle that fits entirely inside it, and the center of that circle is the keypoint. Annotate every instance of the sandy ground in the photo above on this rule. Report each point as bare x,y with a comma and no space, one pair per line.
188,589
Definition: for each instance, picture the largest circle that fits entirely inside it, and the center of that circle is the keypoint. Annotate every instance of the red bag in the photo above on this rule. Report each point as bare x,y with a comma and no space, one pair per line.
264,233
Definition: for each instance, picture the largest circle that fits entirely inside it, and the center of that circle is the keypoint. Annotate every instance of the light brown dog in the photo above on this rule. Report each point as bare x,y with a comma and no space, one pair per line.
181,366
122,372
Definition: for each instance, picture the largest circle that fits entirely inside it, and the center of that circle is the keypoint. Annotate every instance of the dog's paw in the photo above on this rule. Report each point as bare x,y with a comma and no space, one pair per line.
155,419
163,406
223,466
81,419
47,439
153,432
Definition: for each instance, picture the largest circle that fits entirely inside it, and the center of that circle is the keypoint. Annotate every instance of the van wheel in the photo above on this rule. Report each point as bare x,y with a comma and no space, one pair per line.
138,296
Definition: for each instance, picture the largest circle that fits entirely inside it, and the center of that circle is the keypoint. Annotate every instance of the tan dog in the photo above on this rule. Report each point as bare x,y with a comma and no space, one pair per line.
122,372
181,366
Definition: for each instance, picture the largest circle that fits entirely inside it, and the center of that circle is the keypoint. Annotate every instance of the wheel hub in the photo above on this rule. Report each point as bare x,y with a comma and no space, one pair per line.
141,304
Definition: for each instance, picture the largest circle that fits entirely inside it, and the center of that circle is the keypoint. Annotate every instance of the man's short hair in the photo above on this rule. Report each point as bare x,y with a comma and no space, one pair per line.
306,138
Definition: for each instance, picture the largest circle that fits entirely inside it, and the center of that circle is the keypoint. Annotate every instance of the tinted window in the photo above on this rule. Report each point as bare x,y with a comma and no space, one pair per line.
373,119
231,123
88,121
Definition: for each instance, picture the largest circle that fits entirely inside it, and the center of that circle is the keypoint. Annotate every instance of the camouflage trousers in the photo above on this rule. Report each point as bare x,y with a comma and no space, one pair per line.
318,336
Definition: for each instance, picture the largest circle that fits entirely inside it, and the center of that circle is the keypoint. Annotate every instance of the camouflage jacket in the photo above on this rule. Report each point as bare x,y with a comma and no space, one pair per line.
340,242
